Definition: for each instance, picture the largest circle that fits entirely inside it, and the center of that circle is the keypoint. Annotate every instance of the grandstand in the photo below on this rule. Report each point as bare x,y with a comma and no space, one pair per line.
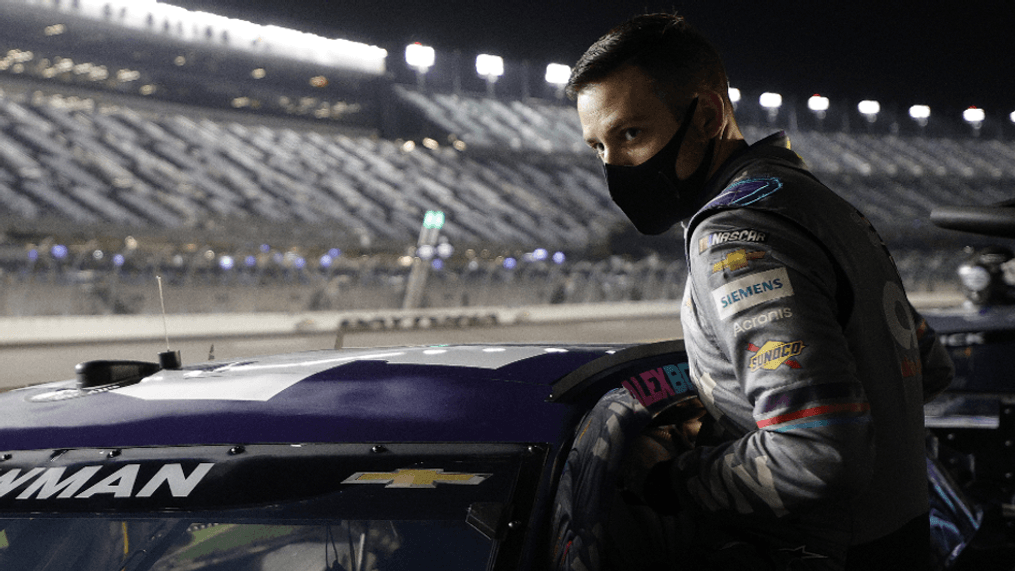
286,208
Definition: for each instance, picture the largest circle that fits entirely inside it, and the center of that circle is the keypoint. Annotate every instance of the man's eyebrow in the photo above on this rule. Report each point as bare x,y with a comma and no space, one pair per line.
619,122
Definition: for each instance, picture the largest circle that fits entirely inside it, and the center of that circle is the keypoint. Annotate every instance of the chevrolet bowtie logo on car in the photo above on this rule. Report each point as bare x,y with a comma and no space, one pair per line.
425,478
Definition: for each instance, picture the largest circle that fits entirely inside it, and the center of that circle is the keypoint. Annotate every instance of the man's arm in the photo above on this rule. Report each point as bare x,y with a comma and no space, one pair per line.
785,380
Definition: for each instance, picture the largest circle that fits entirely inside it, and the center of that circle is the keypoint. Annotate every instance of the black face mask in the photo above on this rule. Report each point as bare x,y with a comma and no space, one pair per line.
650,194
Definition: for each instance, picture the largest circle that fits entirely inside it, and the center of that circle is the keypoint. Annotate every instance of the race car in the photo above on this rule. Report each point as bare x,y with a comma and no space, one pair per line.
402,458
442,457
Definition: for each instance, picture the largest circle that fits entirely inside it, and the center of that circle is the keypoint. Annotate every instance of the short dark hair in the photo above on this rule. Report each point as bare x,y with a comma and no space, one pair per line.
665,46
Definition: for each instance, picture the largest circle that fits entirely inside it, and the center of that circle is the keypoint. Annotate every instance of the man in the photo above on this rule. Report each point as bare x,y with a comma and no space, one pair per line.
804,349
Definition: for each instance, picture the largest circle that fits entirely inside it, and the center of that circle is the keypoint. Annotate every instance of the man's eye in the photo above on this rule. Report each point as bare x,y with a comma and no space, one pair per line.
630,134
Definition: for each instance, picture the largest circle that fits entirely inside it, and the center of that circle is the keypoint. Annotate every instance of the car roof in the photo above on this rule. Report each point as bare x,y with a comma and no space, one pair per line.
455,393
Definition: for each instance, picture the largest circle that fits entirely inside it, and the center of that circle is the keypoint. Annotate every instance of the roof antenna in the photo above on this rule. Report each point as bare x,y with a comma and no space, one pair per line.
168,359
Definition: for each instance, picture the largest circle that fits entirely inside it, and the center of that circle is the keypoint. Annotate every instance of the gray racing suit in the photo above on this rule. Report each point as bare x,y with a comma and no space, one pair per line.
807,353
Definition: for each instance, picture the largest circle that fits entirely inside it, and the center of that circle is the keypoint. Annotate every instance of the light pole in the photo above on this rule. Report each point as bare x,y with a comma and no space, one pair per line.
420,58
975,117
489,67
818,105
557,74
771,102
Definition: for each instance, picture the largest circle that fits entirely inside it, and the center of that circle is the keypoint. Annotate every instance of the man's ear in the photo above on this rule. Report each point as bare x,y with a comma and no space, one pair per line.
712,116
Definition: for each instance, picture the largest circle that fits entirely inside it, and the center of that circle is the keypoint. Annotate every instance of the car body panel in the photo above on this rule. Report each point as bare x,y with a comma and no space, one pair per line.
462,393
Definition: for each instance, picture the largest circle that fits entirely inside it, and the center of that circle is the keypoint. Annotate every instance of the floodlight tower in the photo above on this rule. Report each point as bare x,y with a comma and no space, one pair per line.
490,68
869,108
975,117
734,96
920,114
557,74
771,102
818,104
420,58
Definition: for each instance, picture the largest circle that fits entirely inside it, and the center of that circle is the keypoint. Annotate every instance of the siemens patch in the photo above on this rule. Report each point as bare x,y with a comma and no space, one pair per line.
753,289
742,235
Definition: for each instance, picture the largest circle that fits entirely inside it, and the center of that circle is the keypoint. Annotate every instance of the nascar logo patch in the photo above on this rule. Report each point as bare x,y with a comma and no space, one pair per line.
742,235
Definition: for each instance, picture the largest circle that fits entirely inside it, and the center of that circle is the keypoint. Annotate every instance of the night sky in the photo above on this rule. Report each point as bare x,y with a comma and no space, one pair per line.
949,55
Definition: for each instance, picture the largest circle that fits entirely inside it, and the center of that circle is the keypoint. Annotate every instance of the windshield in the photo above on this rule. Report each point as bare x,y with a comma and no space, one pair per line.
93,544
290,507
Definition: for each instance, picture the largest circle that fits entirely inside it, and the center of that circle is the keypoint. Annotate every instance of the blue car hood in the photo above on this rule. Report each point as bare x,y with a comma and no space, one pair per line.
475,393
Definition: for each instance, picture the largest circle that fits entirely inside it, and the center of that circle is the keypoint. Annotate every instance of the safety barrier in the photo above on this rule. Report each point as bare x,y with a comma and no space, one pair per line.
71,330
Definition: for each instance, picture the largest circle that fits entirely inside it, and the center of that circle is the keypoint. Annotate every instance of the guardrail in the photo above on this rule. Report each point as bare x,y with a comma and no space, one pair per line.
90,329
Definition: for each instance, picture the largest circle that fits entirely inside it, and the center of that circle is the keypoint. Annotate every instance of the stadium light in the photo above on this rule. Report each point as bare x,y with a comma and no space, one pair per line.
419,57
558,73
734,95
869,108
974,115
818,104
489,66
771,102
920,114
1012,116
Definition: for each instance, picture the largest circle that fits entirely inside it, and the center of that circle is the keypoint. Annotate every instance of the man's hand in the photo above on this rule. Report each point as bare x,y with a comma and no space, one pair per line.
653,446
674,432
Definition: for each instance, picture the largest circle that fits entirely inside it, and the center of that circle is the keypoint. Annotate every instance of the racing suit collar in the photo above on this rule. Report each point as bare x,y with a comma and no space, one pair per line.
776,145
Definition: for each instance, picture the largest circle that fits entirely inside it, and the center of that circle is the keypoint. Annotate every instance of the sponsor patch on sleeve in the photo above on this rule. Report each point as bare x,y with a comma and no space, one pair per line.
753,289
736,260
740,235
774,354
748,191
